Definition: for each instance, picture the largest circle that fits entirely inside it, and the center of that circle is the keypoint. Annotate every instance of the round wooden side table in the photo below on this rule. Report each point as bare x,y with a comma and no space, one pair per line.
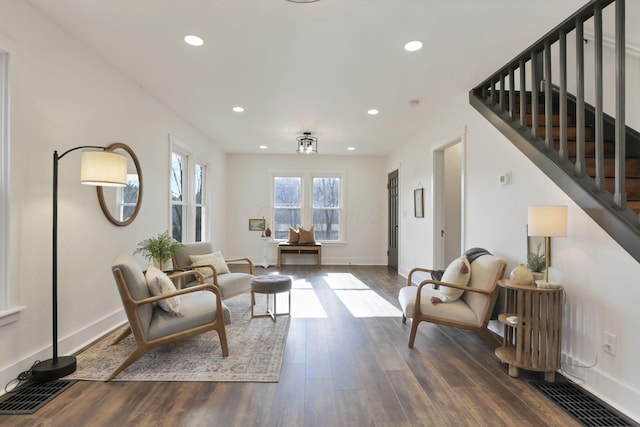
532,329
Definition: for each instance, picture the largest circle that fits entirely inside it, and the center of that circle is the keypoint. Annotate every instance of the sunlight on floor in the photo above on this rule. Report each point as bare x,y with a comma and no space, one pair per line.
344,281
367,303
356,296
359,299
304,301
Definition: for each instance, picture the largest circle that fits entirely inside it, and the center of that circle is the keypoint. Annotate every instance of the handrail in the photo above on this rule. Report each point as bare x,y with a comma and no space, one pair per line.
569,24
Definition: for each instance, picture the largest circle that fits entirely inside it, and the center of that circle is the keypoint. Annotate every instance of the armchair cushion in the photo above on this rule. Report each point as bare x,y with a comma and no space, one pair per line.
457,311
215,259
159,284
229,284
196,310
457,272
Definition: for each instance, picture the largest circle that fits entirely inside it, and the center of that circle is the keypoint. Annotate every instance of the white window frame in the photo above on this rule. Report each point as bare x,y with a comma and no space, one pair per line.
203,204
306,198
340,207
273,194
5,297
188,192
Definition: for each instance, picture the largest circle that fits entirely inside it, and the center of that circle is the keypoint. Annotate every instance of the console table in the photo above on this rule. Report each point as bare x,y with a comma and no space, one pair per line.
532,329
299,249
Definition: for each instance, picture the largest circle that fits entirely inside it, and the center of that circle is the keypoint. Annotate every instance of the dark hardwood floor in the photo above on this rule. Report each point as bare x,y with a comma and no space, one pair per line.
339,369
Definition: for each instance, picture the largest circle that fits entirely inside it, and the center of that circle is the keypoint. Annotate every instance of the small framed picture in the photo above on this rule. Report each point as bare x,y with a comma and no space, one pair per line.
418,203
256,224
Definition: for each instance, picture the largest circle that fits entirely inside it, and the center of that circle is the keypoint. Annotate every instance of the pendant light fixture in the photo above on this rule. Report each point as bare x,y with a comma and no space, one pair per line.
307,144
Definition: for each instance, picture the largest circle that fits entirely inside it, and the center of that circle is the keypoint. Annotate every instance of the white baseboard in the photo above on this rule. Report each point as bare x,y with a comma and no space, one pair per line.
67,345
613,392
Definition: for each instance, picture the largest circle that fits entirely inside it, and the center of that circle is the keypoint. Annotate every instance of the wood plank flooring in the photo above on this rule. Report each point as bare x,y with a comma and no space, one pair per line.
338,370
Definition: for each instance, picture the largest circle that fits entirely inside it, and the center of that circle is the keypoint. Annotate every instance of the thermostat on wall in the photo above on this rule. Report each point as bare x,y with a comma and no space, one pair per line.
505,178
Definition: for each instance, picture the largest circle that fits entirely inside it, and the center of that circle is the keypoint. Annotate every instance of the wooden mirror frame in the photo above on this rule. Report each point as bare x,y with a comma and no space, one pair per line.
99,190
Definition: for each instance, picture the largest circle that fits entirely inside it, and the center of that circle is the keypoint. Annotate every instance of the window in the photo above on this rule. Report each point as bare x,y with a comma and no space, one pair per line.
4,181
324,209
287,204
199,202
188,197
178,202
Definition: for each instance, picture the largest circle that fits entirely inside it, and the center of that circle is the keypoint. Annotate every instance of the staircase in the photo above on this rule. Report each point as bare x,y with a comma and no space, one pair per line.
632,161
593,157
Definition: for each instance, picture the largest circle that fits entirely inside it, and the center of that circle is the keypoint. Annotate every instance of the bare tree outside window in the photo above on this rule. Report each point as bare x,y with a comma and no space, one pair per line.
199,202
177,195
287,205
326,208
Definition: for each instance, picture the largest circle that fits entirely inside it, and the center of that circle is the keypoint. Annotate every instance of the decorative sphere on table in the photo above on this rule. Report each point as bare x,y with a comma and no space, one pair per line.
521,275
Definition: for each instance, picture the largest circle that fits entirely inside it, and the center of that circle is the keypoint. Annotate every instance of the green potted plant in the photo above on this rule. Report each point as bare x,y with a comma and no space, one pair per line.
158,249
536,262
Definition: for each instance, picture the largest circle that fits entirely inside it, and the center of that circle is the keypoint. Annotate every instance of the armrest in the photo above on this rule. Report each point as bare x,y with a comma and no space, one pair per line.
198,275
204,287
238,260
425,270
455,286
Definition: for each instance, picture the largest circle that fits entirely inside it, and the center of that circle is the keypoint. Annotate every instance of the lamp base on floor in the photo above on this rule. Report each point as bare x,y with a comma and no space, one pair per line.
49,371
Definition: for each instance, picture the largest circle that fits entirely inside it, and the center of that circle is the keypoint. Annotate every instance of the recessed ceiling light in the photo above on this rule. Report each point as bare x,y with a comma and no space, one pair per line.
351,148
372,112
413,46
263,147
193,40
238,109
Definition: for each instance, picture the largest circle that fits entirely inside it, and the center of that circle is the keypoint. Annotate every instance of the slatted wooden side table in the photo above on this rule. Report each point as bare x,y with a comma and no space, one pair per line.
532,329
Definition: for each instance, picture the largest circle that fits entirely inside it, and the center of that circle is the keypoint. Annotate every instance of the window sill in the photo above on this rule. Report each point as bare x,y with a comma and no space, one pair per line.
10,315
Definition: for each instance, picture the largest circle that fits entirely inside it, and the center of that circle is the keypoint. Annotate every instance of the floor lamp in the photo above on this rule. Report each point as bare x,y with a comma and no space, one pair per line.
547,222
98,167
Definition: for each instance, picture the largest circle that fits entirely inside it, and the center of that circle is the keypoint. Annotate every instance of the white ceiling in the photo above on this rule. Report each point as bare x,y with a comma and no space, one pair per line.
307,67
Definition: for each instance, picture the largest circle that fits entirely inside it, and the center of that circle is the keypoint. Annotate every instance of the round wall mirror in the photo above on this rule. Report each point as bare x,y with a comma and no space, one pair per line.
122,204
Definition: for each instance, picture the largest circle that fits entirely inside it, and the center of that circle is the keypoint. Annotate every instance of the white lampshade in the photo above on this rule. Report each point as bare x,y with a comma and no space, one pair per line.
547,221
103,168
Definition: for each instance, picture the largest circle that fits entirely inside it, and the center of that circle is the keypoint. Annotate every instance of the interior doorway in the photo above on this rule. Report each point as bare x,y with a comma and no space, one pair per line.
393,204
448,202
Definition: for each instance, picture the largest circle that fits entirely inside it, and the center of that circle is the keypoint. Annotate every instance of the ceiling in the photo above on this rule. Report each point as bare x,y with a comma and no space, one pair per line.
314,67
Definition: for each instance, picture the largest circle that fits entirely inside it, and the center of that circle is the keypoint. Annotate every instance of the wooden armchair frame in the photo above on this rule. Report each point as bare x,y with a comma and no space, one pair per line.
418,316
143,345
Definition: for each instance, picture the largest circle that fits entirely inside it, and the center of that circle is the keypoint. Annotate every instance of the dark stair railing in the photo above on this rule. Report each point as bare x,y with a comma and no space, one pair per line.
592,156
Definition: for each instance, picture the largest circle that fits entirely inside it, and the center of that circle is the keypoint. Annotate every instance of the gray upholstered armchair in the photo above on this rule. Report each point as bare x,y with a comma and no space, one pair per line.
230,283
201,310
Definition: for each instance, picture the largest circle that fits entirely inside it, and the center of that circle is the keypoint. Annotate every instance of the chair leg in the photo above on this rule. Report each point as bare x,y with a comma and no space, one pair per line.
222,334
414,330
125,333
137,353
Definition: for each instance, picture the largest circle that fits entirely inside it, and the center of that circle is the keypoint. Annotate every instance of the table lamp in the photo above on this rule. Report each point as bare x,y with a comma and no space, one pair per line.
99,167
547,222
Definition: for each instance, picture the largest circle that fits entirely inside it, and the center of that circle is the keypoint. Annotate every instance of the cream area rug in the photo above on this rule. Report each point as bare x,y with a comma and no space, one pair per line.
256,348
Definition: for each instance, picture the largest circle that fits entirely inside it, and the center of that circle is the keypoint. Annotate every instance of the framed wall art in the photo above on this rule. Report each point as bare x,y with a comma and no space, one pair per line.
256,224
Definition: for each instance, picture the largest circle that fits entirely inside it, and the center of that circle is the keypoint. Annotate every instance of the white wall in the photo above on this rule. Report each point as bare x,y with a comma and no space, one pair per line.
62,96
599,277
364,214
